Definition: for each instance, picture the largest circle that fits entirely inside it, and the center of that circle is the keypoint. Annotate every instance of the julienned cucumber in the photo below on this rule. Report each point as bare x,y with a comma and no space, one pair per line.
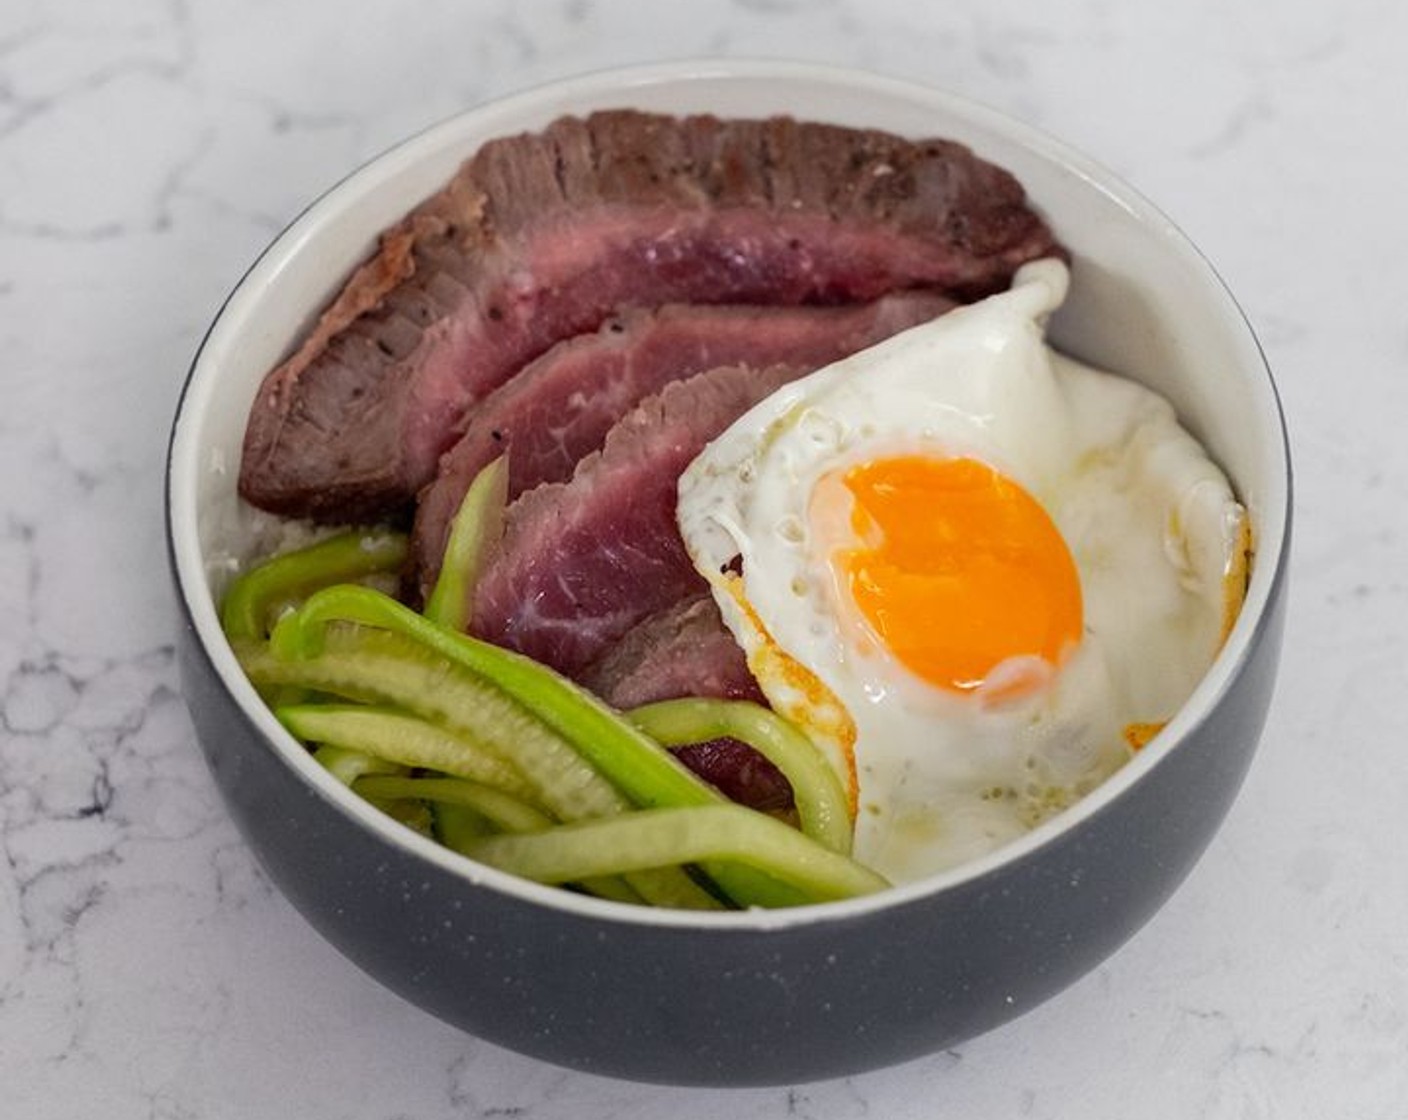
383,668
646,773
702,834
376,667
816,788
504,811
474,529
399,737
493,810
637,765
419,695
247,611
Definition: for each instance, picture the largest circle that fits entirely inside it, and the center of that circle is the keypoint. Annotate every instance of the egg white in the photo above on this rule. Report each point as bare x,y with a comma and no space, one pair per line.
1151,522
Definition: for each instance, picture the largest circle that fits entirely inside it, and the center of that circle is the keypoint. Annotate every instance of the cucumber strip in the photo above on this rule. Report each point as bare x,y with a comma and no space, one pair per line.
613,887
476,527
349,764
669,886
648,837
413,814
567,786
506,812
509,814
816,788
456,826
643,770
377,667
404,739
634,763
249,606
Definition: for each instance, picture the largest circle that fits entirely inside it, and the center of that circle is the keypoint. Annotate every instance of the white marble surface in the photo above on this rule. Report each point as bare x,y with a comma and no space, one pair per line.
150,148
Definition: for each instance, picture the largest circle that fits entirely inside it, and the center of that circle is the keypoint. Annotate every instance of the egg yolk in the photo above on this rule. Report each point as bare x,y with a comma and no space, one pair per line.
957,569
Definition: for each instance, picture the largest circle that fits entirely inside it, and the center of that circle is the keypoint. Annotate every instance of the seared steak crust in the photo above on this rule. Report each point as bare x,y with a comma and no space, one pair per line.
540,237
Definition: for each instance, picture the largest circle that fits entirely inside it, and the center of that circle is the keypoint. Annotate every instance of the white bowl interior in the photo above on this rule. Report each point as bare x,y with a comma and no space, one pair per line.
1143,302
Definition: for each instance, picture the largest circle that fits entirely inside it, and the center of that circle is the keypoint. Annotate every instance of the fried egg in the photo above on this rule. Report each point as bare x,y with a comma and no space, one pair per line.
979,573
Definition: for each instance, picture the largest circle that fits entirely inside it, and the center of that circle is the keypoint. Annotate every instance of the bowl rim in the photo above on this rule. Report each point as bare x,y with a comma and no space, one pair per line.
1272,530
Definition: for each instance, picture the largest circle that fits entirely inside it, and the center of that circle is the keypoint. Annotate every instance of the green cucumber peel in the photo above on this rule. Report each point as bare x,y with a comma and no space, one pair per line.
816,788
465,812
637,765
254,597
645,772
504,811
700,834
377,667
456,827
667,886
415,815
351,766
476,527
401,738
348,764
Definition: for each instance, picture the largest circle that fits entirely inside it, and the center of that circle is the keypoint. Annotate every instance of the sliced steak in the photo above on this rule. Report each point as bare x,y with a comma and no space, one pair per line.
740,773
560,407
683,650
583,562
539,237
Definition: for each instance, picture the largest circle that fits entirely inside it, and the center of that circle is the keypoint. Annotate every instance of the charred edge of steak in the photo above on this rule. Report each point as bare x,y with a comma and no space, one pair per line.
930,188
463,291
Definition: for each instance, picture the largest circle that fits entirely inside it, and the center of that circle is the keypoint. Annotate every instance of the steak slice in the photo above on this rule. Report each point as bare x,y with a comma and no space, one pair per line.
686,650
683,650
740,773
560,407
583,562
539,237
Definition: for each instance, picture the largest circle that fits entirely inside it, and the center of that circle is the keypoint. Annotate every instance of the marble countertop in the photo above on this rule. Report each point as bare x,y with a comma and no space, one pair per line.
150,149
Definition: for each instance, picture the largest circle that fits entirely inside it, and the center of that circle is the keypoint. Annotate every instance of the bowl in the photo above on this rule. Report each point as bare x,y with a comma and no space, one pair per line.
752,997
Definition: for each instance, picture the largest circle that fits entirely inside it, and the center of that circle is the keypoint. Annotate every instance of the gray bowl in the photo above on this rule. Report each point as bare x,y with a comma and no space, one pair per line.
753,997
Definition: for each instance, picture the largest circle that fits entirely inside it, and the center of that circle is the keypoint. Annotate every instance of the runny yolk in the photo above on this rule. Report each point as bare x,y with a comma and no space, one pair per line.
957,569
